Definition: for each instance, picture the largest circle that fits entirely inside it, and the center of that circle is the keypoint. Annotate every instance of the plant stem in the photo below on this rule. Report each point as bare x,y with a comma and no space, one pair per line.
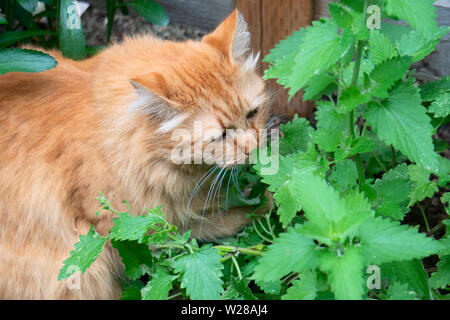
394,161
248,251
237,267
427,226
350,121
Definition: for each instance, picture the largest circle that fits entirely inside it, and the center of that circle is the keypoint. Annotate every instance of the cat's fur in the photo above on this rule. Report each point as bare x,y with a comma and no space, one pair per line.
105,124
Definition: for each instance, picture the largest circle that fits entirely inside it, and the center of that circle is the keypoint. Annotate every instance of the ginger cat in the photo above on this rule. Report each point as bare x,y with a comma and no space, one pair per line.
105,124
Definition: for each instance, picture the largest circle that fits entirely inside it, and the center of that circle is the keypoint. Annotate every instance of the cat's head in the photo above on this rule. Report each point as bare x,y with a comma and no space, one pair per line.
208,97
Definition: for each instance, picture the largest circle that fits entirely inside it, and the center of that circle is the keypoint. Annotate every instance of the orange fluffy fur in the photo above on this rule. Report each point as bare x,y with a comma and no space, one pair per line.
104,124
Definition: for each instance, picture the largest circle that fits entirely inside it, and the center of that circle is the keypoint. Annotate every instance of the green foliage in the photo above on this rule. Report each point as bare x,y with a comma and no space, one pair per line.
62,30
23,60
345,189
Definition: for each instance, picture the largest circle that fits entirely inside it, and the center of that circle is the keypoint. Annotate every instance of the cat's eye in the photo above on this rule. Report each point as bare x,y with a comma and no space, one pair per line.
251,114
224,134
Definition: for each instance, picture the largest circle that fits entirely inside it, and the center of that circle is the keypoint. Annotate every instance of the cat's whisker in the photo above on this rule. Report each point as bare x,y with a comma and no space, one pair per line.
218,195
208,199
200,182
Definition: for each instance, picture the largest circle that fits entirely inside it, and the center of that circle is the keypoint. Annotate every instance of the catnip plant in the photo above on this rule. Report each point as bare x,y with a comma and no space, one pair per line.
337,229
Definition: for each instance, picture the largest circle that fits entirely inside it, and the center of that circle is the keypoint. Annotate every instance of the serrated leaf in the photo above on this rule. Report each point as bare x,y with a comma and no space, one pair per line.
423,188
86,252
127,227
328,118
288,204
328,139
341,15
242,286
201,274
350,98
297,135
402,121
411,272
24,60
303,289
344,174
420,14
393,192
133,255
322,47
363,145
70,32
380,47
385,240
386,74
319,85
418,47
441,106
441,278
286,47
295,250
151,11
345,272
158,287
432,90
401,291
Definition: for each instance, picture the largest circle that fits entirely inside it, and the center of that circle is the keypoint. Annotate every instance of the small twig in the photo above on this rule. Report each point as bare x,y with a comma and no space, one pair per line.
427,226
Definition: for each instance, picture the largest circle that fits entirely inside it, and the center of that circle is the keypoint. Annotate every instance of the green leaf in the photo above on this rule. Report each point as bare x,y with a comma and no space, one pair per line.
424,188
86,252
345,272
410,272
242,286
350,98
441,278
441,106
432,90
158,287
201,274
341,15
29,5
418,47
71,37
288,204
24,60
134,255
151,11
295,250
297,135
402,122
363,145
401,291
385,240
319,85
328,118
380,47
322,47
131,293
127,227
420,14
11,37
344,174
286,47
327,139
386,74
303,289
393,192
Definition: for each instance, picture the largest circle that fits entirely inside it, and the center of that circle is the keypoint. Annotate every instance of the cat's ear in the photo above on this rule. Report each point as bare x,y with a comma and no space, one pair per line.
154,100
231,37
